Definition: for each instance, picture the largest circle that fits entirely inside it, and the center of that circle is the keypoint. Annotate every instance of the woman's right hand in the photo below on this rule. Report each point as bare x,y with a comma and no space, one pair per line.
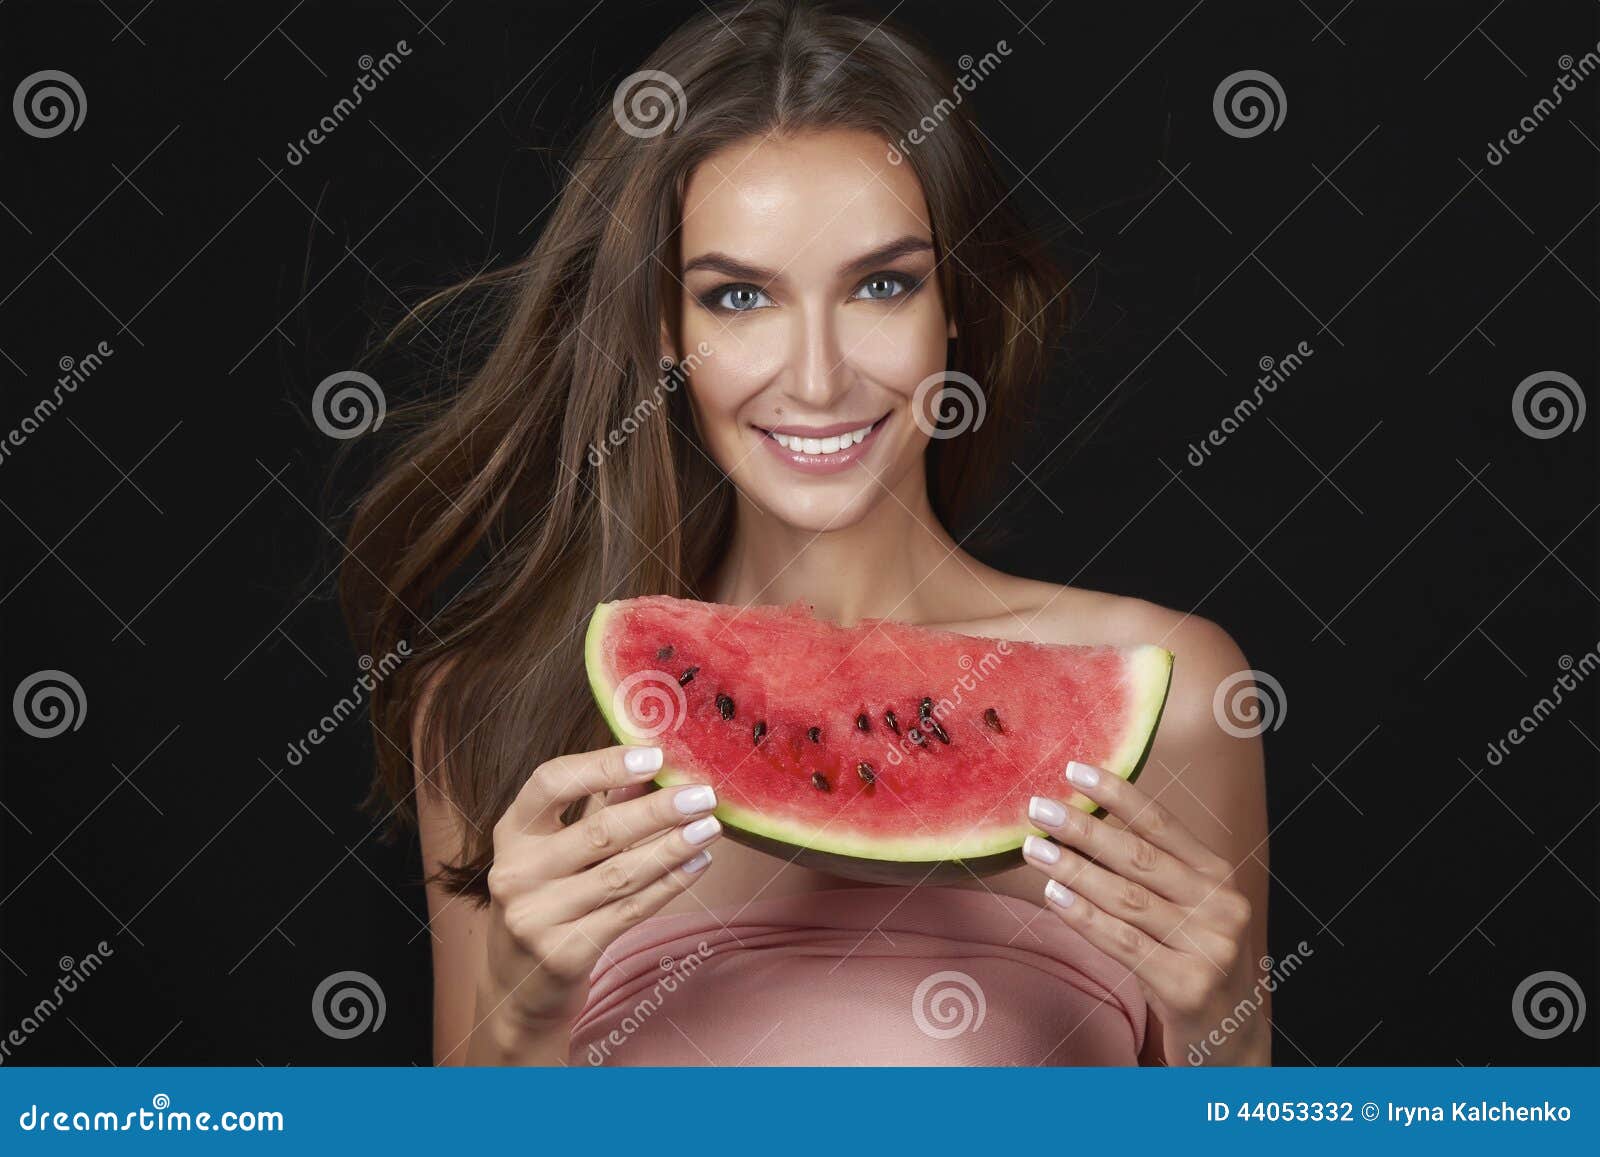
559,895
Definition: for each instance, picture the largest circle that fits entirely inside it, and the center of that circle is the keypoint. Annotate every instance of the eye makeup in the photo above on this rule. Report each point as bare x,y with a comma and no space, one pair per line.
715,300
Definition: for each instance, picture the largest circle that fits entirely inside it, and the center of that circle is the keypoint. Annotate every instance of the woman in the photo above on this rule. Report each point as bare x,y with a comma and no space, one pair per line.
759,218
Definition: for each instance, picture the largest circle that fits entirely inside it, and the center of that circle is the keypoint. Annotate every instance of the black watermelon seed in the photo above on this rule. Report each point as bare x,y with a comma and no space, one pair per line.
894,724
814,734
863,723
664,652
915,736
725,706
992,718
925,708
936,727
820,781
683,680
864,770
758,731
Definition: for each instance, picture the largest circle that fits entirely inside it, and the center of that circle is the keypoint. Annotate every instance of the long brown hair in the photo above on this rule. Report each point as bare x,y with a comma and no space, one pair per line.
500,467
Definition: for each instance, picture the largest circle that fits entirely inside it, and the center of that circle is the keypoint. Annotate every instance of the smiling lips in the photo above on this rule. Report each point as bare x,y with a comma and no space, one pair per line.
821,449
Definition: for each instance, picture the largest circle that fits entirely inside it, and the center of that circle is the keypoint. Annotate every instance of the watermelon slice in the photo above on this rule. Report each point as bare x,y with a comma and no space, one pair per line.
882,752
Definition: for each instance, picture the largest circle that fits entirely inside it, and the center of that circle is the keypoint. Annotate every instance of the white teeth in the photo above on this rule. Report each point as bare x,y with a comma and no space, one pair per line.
822,445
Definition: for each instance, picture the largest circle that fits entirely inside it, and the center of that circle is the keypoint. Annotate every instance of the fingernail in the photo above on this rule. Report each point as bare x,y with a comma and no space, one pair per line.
702,830
1042,850
699,798
642,759
698,861
1056,892
1046,811
1082,774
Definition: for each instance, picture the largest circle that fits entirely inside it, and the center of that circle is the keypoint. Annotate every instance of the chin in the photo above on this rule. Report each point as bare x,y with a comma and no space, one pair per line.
814,502
820,513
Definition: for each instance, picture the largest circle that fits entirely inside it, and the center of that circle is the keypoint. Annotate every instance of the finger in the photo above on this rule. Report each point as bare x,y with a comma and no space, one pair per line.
1126,899
1153,962
629,872
1125,853
623,794
606,831
1143,814
557,782
606,923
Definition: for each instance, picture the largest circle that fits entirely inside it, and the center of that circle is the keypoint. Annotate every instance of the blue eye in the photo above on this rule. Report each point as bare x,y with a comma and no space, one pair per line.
882,287
740,299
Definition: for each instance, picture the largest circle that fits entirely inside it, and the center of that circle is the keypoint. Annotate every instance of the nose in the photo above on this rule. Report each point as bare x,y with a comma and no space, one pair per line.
818,376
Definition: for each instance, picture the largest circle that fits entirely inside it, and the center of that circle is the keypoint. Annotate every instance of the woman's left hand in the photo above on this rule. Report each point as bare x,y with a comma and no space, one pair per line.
1157,900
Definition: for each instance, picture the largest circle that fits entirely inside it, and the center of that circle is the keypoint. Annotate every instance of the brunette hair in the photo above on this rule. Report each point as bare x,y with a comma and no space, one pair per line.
500,468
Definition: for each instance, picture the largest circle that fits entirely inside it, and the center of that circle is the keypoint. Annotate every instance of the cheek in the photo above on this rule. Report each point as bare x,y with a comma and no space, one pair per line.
741,359
899,350
733,371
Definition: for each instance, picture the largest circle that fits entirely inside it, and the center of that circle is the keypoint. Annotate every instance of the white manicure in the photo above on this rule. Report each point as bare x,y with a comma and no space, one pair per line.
1042,850
1046,811
699,798
1082,774
702,830
698,861
642,759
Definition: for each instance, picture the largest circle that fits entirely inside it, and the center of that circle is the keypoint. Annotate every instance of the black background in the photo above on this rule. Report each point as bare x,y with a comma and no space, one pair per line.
1381,537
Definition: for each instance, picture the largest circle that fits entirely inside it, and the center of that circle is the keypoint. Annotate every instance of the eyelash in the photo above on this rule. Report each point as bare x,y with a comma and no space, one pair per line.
908,286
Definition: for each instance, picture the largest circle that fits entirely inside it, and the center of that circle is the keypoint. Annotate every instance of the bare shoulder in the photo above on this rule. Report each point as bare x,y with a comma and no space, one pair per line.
1204,653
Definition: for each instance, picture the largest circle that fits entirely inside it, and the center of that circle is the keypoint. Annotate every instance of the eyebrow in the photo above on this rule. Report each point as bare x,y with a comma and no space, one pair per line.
733,267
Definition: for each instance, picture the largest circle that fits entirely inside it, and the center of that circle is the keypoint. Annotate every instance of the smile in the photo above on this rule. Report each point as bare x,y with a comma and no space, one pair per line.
822,449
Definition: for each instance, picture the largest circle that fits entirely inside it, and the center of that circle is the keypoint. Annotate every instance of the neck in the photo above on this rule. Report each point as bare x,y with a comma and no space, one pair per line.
878,567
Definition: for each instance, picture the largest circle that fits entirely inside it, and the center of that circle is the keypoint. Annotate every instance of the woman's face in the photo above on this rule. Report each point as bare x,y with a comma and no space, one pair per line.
808,273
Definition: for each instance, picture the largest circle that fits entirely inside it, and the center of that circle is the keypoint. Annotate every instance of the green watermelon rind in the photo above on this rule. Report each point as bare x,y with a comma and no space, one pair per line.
891,861
1157,664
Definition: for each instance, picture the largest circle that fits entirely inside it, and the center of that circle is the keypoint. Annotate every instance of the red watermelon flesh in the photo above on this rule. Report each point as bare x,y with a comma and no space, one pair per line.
982,725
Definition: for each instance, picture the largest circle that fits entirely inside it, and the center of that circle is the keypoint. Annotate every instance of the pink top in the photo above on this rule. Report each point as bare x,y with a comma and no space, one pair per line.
860,976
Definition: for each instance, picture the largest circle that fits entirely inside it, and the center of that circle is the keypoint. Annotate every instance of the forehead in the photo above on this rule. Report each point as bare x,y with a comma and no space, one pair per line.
807,201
